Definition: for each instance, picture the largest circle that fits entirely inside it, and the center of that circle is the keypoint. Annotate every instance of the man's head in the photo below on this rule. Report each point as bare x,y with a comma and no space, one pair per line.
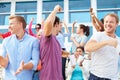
111,21
56,24
60,27
16,23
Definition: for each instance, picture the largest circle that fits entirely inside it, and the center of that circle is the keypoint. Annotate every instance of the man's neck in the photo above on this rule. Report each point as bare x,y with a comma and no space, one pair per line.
111,35
20,35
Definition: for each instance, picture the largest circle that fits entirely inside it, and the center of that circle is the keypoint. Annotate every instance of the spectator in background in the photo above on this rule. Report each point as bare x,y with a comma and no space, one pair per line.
38,29
60,37
75,59
103,47
20,53
50,50
80,37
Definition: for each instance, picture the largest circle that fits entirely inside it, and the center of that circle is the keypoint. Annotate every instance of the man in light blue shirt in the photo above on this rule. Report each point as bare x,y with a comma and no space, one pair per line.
20,54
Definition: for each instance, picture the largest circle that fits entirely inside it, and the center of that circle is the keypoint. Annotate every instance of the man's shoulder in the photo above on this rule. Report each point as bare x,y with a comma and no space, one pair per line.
32,37
9,37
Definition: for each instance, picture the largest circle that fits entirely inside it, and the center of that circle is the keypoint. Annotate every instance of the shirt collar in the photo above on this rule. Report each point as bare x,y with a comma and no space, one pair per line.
22,37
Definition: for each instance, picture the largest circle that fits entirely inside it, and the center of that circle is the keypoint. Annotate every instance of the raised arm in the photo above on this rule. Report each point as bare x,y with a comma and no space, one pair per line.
30,28
66,28
96,23
48,24
73,25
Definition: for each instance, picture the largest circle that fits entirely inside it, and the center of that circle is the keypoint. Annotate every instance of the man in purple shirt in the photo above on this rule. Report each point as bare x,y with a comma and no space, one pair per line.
50,50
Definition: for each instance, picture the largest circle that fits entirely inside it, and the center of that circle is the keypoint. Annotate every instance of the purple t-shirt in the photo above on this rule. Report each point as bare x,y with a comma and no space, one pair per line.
50,56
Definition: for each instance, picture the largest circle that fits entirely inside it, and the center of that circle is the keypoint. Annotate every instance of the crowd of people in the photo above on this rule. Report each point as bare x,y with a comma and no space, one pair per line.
43,56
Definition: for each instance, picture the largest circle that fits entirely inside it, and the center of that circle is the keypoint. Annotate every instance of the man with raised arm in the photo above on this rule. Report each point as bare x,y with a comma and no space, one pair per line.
50,50
103,47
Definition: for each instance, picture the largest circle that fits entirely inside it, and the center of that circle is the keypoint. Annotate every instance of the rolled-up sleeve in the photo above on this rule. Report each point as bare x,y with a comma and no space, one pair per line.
35,54
3,49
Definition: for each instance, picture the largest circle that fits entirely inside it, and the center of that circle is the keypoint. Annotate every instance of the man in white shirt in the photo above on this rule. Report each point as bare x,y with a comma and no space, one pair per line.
104,49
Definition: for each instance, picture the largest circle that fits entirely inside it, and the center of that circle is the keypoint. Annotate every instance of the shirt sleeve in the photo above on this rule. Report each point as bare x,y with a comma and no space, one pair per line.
66,34
35,54
84,39
96,36
3,49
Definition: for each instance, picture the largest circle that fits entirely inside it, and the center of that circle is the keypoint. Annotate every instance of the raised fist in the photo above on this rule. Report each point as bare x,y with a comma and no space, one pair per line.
58,8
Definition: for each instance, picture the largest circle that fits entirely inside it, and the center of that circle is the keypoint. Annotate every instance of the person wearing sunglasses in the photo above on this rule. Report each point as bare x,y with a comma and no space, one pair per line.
37,28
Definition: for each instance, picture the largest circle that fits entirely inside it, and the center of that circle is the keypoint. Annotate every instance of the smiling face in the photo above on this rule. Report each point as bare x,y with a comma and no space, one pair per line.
110,24
17,24
14,26
79,51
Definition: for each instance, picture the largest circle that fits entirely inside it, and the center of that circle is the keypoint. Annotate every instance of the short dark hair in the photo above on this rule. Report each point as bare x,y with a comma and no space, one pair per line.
57,20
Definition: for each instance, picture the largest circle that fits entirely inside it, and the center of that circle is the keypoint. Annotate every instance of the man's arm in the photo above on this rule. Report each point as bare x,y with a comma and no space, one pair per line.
93,45
48,24
4,61
97,24
27,66
32,64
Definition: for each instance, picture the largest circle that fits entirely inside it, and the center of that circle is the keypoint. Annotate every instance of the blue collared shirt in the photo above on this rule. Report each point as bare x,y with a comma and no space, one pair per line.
60,37
26,49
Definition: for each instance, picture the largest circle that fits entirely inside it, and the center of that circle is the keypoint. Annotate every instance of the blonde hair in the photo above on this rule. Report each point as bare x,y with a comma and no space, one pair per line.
113,15
19,19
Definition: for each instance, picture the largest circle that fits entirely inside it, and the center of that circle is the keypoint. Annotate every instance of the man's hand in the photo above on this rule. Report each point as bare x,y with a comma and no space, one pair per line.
1,60
4,61
20,68
91,12
65,54
112,42
58,8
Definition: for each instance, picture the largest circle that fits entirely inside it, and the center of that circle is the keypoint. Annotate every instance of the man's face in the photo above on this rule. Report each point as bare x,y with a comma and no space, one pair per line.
14,26
110,24
57,28
60,26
